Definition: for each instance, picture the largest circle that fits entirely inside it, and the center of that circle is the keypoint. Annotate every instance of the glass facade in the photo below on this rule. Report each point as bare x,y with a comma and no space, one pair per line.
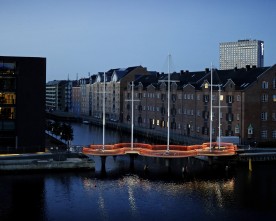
7,103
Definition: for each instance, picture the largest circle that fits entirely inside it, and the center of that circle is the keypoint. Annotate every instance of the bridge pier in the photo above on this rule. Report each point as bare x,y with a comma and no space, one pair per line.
168,164
103,160
131,161
210,160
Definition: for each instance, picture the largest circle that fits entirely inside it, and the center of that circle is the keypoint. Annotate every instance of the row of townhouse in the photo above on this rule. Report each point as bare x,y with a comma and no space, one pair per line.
88,93
244,101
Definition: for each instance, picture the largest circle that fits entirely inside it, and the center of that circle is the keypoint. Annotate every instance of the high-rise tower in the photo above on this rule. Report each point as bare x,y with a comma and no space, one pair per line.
241,54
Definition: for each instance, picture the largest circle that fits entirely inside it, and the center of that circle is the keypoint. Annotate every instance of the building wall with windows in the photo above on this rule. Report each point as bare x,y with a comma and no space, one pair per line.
241,54
260,108
240,103
76,98
116,81
59,95
22,104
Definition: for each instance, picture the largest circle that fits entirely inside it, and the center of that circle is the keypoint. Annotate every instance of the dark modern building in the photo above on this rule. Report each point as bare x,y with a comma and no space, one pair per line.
22,104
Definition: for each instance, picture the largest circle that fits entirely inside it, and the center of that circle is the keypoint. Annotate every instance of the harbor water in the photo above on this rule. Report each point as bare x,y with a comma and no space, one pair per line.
125,192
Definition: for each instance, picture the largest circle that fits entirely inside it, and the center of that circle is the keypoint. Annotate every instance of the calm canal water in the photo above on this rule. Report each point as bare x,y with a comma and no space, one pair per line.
127,193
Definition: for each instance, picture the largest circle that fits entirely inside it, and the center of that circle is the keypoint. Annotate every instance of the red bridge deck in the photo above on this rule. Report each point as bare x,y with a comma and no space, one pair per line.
175,151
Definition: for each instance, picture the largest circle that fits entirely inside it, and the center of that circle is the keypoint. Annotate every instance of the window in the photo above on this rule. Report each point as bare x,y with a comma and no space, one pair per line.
206,98
238,117
274,134
230,99
229,117
264,85
274,97
198,113
264,97
264,134
274,83
274,116
237,129
264,116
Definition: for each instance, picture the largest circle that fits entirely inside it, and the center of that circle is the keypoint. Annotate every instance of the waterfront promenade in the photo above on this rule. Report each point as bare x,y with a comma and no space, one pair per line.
55,157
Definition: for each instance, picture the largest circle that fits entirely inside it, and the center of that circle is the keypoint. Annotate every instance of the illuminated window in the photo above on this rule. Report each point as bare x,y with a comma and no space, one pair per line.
274,97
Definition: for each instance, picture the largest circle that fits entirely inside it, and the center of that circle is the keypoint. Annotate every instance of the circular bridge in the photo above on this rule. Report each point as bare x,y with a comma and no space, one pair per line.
162,151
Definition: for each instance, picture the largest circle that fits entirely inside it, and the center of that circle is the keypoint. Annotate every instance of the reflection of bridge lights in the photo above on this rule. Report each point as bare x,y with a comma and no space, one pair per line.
131,199
88,184
101,204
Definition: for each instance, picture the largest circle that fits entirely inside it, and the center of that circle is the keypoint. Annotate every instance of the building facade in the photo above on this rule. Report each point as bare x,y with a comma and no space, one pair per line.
114,81
59,95
243,104
241,54
22,104
76,98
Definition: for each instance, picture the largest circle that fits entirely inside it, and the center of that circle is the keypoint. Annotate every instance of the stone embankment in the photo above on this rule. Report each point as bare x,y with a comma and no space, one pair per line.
46,161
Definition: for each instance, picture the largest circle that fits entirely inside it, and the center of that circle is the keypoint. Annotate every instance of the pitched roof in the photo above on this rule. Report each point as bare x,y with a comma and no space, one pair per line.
241,77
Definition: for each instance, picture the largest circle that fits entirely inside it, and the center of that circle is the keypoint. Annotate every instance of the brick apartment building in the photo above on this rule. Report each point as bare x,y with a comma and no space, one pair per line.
247,103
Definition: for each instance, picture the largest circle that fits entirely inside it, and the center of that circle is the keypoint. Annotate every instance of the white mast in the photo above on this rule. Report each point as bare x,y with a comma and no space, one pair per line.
169,88
132,124
211,108
103,110
219,119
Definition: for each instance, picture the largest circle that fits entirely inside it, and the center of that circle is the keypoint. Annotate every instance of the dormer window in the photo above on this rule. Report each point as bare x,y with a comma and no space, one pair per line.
250,130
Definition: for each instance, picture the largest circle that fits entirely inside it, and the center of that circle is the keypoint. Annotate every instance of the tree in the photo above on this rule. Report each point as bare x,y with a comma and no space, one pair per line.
66,133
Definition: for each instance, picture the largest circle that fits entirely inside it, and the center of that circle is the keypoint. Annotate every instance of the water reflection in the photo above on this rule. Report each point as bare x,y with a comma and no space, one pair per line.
128,195
22,197
125,194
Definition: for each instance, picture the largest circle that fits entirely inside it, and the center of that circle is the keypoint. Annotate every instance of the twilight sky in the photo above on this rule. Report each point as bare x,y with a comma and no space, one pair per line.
82,36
